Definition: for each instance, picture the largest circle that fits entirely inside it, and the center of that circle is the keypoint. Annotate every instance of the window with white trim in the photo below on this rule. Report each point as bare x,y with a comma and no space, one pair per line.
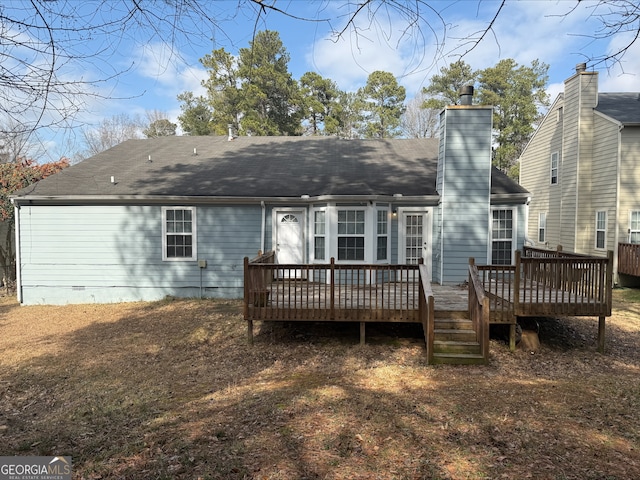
502,237
634,226
351,234
319,234
601,229
554,168
382,235
542,227
179,233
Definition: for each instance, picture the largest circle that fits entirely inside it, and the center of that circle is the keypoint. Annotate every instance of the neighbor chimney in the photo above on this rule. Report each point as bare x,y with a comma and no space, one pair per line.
466,95
581,67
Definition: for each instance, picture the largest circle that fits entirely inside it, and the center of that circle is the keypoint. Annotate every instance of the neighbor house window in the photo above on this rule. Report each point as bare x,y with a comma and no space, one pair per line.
179,233
351,234
601,229
634,226
502,237
554,168
319,234
542,227
382,235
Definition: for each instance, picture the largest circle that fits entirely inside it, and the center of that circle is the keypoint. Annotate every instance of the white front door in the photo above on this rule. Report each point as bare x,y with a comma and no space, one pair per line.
414,237
289,239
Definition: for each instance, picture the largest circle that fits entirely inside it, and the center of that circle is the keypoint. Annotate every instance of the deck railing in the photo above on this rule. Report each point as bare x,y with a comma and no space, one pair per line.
549,282
479,309
629,259
328,292
564,283
498,282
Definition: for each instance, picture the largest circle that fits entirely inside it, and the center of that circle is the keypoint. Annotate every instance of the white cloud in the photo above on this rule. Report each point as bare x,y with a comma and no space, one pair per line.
622,76
524,31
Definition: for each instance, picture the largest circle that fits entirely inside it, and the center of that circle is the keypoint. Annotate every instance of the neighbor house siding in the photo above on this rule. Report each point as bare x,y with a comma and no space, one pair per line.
466,175
598,186
569,133
629,197
103,254
535,176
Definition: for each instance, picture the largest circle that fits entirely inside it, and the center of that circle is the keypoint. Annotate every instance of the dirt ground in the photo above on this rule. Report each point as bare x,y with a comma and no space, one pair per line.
171,390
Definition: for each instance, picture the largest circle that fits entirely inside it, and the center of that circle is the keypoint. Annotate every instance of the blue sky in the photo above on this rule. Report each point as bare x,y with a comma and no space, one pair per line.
525,31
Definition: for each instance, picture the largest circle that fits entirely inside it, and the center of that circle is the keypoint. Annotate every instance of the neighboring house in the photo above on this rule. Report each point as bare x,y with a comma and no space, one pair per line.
177,215
581,167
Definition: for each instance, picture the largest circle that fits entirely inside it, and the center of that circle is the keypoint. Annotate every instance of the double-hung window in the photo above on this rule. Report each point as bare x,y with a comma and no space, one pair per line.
502,237
601,229
179,233
542,227
351,234
634,226
382,235
319,234
554,168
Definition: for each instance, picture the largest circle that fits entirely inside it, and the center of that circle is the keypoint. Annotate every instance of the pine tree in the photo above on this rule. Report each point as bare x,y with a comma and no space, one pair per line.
269,99
383,105
517,94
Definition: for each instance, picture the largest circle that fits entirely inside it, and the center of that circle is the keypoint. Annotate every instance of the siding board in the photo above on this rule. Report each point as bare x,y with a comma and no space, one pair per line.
69,256
464,177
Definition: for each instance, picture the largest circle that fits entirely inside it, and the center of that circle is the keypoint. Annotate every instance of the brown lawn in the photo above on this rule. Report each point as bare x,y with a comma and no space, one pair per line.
171,390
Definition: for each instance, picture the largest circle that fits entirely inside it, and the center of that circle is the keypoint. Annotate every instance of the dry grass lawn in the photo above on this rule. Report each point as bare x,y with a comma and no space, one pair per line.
170,390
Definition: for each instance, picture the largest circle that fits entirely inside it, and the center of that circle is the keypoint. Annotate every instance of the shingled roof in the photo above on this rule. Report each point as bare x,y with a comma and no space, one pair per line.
256,167
624,107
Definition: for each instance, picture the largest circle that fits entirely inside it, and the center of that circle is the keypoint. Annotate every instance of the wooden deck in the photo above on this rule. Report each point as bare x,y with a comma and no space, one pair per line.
541,283
382,302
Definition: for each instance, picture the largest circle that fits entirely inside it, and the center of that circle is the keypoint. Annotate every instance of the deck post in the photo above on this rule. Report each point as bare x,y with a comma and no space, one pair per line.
512,336
362,333
250,332
332,292
601,328
246,302
609,284
516,301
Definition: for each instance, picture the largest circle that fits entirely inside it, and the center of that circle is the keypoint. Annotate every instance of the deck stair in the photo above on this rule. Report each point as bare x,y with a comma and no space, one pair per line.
455,341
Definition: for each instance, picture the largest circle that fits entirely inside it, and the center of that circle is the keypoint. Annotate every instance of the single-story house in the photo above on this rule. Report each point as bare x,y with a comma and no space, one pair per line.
178,215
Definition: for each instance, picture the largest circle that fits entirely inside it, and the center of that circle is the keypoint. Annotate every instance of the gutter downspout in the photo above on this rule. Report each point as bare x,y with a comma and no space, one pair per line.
263,226
17,248
616,235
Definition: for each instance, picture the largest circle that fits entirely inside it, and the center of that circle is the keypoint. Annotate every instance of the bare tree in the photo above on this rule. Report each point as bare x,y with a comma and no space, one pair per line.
419,122
110,132
15,145
158,124
43,43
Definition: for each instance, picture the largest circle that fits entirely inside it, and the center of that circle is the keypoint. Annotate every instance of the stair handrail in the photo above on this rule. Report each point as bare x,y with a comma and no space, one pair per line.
426,309
479,309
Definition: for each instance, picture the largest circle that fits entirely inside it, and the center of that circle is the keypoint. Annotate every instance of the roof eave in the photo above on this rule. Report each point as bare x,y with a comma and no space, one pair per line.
510,198
210,200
